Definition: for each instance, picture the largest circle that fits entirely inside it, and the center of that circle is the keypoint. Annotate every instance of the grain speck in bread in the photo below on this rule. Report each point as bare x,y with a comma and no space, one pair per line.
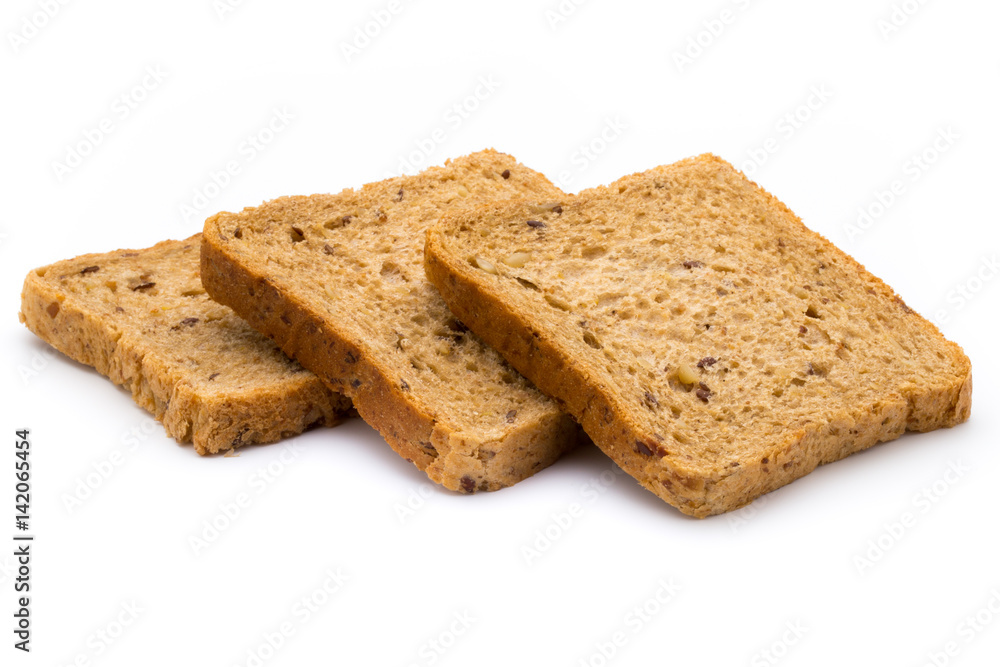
709,343
143,319
338,281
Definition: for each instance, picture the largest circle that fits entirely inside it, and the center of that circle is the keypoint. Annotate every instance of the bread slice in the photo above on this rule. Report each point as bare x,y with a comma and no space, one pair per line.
143,319
709,343
338,282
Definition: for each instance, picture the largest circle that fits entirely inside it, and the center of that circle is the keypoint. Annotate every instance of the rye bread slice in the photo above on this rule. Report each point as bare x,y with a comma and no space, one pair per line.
338,282
708,342
143,319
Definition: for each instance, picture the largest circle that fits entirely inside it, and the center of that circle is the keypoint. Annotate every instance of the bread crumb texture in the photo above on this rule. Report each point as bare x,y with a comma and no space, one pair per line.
143,319
337,280
708,341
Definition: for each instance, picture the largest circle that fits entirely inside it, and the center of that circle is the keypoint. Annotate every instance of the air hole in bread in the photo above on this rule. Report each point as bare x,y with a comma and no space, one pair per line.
557,302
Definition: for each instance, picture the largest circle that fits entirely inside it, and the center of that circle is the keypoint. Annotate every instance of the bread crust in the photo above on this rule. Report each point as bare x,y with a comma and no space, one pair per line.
696,490
462,461
213,423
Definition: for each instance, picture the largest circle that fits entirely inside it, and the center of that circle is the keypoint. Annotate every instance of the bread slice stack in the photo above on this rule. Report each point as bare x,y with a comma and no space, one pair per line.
143,319
707,341
338,282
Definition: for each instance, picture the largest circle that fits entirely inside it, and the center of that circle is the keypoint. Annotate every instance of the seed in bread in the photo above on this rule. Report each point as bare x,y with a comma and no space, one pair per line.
709,343
338,282
143,319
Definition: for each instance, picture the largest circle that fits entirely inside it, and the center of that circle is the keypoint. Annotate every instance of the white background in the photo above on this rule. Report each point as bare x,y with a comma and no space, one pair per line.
792,559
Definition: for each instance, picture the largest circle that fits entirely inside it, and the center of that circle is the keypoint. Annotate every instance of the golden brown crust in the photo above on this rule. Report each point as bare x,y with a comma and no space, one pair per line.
461,459
694,487
308,339
87,331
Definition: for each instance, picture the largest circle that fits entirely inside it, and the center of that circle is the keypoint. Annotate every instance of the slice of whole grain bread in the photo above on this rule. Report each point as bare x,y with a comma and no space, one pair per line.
143,319
338,282
708,342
